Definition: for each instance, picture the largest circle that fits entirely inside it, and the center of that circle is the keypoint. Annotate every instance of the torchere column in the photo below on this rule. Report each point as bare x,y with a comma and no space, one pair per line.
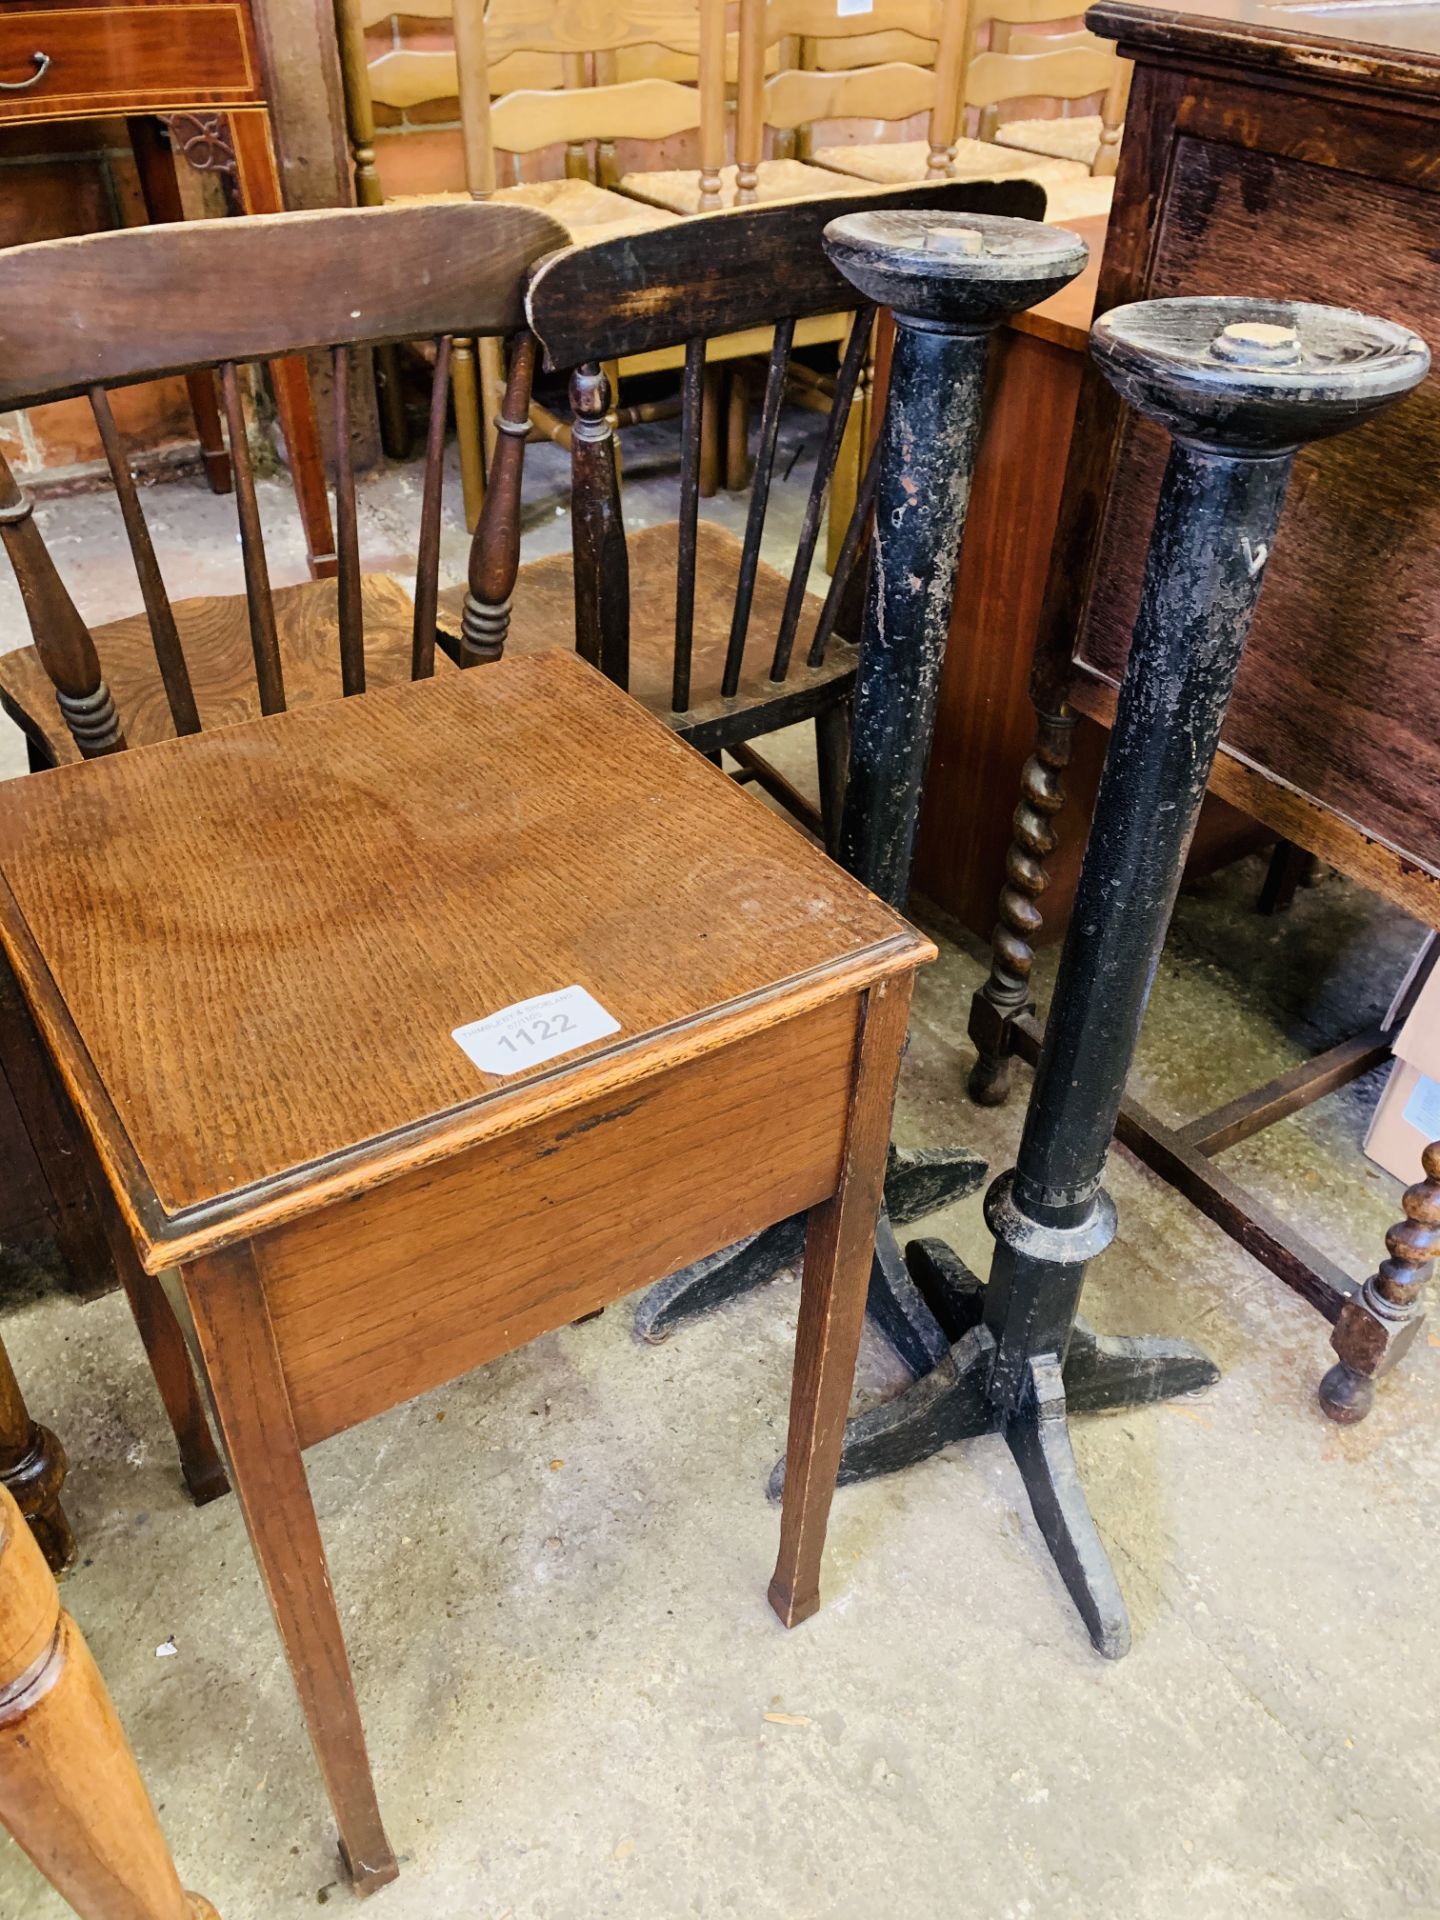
950,282
1240,386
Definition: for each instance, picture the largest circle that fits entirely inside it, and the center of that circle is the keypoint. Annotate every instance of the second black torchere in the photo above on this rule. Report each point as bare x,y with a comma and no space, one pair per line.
1240,385
949,280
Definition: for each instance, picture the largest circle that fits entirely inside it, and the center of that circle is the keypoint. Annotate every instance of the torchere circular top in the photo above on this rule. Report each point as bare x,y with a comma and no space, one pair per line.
1255,375
968,270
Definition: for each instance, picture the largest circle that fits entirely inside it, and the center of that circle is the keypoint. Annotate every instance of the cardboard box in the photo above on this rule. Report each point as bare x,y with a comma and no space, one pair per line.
1408,1116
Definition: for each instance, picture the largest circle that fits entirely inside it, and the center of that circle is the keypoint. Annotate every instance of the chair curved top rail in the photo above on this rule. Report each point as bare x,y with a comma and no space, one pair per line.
80,313
721,272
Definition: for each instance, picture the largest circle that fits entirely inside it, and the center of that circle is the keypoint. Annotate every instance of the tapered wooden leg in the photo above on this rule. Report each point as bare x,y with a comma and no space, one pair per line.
224,1300
471,391
257,179
832,756
32,1472
737,428
836,1279
710,431
200,1463
155,165
70,1792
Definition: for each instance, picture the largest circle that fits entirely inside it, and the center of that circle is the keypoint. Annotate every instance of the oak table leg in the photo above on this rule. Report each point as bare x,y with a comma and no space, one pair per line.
32,1472
155,165
70,1792
257,179
200,1464
235,1345
838,1243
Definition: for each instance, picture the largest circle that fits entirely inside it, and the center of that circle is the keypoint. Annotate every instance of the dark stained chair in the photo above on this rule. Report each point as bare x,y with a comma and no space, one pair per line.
705,633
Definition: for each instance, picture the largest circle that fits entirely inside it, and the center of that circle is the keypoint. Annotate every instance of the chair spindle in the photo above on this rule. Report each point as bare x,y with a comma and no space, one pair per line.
264,639
169,653
691,420
845,561
602,561
61,637
495,549
856,349
427,552
347,535
759,502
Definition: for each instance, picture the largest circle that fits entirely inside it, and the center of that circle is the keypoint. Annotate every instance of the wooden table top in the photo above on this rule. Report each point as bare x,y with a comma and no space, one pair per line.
249,949
1066,316
1342,42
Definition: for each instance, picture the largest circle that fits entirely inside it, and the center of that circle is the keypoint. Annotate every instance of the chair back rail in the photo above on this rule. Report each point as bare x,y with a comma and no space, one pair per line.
744,270
107,309
651,108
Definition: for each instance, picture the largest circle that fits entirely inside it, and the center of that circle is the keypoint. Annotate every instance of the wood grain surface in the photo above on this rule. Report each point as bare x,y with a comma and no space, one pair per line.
341,887
89,311
128,59
215,637
389,1294
1336,697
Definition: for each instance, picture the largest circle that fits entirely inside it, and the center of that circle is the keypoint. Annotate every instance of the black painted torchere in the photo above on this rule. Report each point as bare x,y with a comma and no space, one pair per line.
1240,385
949,281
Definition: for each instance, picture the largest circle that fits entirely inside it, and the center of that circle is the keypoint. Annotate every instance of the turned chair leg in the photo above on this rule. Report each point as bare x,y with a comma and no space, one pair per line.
838,1245
1377,1326
32,1472
1006,994
70,1792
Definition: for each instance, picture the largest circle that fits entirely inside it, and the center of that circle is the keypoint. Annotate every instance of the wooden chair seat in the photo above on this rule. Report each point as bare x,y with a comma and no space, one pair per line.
586,212
1073,139
215,633
898,163
544,616
1087,199
679,189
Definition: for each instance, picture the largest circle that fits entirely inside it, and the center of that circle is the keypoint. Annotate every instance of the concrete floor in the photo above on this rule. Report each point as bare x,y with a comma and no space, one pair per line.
553,1573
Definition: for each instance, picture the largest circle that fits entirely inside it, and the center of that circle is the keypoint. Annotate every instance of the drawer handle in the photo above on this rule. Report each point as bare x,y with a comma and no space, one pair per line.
42,67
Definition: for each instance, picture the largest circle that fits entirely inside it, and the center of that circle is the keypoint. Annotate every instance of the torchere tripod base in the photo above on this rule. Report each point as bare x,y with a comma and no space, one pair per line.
918,1181
952,1402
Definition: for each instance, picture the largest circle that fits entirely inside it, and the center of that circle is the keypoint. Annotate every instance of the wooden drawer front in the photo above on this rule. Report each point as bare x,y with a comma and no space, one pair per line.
415,1283
142,59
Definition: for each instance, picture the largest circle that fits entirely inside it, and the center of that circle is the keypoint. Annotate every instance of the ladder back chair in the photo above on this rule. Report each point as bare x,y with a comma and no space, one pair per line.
787,98
400,1030
945,90
84,316
1077,65
701,629
402,79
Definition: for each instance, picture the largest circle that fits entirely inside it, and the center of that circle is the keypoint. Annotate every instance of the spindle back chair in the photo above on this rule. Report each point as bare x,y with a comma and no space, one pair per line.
693,621
83,316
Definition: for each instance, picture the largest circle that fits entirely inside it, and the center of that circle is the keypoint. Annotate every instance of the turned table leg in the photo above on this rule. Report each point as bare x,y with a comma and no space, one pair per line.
32,1472
1006,993
1377,1326
70,1792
